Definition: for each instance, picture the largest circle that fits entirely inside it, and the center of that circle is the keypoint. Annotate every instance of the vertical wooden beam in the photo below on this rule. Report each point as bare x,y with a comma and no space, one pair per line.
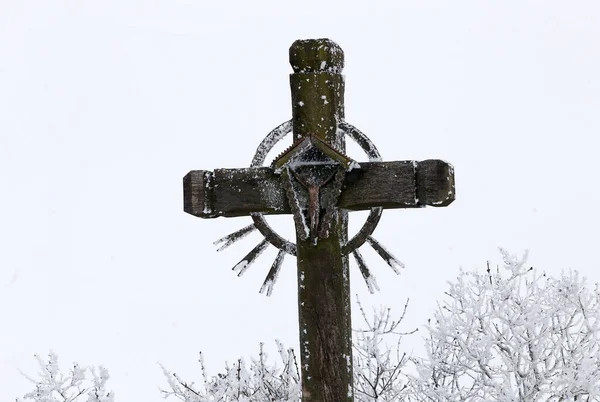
317,88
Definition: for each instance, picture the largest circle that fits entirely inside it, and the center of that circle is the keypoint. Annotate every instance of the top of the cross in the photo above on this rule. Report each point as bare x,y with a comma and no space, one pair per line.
316,56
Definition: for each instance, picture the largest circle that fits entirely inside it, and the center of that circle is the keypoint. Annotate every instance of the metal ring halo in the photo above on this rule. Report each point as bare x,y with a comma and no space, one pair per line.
259,157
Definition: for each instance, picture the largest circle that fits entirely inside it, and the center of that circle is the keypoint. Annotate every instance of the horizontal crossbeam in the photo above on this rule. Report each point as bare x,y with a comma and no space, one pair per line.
240,192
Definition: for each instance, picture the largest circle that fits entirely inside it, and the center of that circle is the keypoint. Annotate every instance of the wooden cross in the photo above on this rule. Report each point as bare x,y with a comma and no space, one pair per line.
315,182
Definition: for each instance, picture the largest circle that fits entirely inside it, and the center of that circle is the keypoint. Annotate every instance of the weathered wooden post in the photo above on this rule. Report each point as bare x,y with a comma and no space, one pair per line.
317,183
317,87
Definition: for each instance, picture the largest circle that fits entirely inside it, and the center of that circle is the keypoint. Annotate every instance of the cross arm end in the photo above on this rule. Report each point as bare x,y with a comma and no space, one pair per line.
197,194
435,183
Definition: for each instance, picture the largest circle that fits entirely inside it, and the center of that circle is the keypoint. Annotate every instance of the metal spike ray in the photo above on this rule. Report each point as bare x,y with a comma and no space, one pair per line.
366,273
383,253
273,274
233,237
243,265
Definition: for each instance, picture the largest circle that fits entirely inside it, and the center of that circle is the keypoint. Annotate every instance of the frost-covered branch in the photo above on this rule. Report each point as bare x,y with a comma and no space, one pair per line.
513,335
510,334
378,361
51,385
378,374
256,381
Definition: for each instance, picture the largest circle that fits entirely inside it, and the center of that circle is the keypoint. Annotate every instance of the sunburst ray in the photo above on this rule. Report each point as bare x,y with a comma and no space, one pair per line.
392,261
366,273
245,262
233,237
273,274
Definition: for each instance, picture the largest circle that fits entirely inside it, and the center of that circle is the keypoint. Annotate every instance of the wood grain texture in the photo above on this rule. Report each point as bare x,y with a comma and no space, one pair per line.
197,193
317,89
239,192
380,184
435,183
324,314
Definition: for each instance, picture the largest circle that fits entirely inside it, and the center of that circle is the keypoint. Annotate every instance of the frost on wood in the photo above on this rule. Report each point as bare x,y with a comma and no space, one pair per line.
269,142
366,273
245,262
331,206
302,230
235,236
362,140
273,274
386,255
241,192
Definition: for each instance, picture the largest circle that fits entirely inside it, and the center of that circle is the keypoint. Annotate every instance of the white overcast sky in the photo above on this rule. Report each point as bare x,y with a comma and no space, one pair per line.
106,105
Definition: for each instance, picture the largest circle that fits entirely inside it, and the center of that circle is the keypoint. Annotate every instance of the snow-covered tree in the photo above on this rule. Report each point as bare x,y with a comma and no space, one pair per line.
377,375
510,334
257,381
378,372
379,362
53,386
513,334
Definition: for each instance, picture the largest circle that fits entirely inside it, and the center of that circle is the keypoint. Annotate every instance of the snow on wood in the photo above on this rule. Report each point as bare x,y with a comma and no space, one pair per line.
273,274
245,262
366,273
386,255
269,142
233,237
240,192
